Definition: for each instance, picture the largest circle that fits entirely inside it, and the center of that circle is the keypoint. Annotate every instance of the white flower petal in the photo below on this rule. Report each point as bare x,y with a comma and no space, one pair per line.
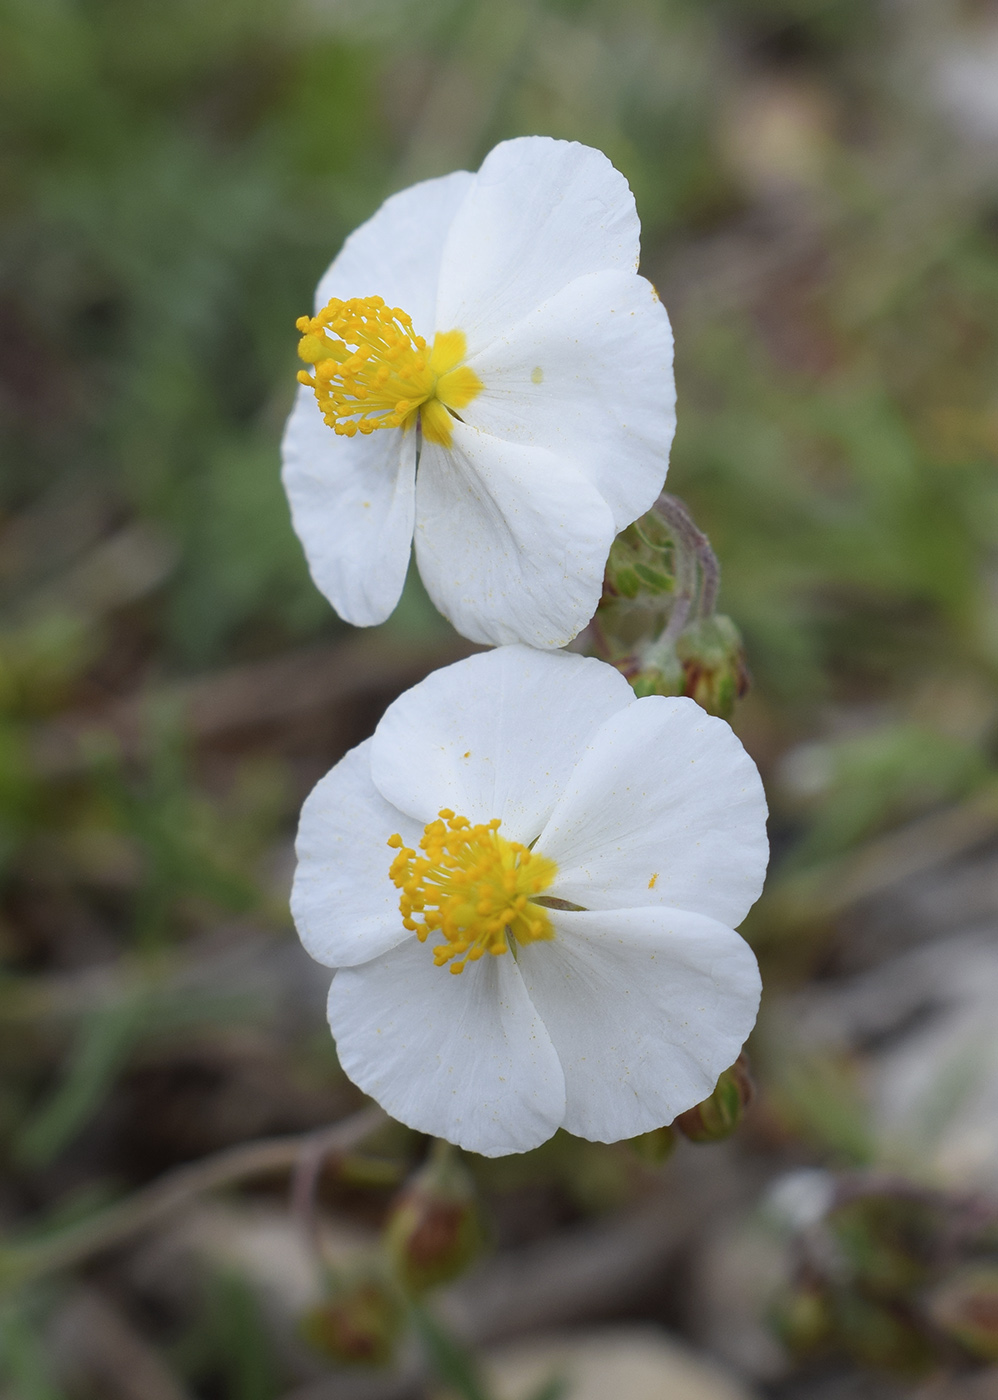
495,735
462,1057
345,907
539,214
646,1007
352,506
588,375
396,254
666,808
352,498
511,541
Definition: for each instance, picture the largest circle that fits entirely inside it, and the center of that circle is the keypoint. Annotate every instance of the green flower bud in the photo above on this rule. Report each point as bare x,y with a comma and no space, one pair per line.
801,1316
359,1321
640,564
965,1307
434,1230
712,656
656,671
881,1335
885,1240
655,1147
718,1117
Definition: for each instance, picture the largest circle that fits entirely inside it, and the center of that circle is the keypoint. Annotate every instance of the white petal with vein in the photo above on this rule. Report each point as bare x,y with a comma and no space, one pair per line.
464,1057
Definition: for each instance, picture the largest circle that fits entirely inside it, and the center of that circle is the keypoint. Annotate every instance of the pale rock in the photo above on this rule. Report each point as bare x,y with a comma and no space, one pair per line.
739,1265
966,84
922,1029
625,1363
267,1245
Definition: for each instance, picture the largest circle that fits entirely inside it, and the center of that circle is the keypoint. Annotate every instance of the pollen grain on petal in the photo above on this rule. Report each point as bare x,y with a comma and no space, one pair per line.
473,887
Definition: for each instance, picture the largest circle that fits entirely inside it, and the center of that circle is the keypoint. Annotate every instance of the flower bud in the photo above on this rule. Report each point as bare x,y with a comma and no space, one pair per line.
802,1318
434,1230
712,656
639,563
885,1240
965,1307
881,1335
655,1147
359,1321
658,671
718,1117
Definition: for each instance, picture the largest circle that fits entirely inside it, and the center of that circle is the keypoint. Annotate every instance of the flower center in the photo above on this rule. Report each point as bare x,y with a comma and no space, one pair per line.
369,370
472,886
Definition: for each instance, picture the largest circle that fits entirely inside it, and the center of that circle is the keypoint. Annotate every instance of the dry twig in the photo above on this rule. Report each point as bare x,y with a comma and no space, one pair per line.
157,1201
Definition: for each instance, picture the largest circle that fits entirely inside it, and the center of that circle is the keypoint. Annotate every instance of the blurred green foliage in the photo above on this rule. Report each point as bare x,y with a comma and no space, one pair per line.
23,1359
174,179
227,1347
175,176
898,1279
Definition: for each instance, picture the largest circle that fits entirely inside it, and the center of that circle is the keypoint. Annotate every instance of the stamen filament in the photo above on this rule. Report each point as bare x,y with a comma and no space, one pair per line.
471,886
370,370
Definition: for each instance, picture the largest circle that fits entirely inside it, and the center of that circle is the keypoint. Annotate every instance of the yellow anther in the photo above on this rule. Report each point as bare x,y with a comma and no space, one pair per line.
473,887
369,370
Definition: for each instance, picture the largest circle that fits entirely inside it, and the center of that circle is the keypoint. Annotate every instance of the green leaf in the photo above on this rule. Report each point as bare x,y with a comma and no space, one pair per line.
24,1355
452,1362
554,1389
102,1047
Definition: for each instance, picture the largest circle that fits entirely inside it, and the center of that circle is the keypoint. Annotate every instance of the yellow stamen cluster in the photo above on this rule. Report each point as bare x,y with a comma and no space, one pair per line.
473,887
370,370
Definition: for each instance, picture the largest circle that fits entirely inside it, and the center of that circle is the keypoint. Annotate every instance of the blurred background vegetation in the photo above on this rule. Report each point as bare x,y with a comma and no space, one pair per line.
818,187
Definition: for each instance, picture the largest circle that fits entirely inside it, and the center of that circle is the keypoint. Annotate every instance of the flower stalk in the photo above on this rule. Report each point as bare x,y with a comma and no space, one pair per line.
657,620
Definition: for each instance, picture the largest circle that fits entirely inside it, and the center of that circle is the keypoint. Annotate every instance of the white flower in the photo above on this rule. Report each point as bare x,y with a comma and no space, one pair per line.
580,857
492,329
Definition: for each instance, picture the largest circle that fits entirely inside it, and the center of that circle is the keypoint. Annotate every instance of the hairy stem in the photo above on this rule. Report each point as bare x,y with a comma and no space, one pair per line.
693,553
